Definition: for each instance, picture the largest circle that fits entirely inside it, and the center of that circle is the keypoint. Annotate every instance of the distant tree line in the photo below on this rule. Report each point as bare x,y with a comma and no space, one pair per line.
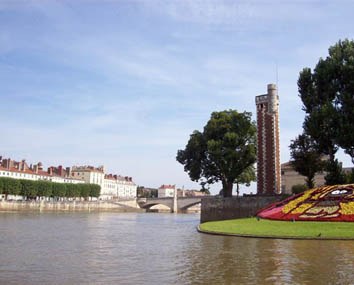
146,192
39,188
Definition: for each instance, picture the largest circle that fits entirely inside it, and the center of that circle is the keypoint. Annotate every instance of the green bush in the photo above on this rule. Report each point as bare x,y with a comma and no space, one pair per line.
44,188
298,188
58,189
28,188
72,190
10,186
95,190
40,188
84,190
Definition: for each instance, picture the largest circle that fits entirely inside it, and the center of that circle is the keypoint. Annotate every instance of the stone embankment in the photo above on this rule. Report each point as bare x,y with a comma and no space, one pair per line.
219,208
68,206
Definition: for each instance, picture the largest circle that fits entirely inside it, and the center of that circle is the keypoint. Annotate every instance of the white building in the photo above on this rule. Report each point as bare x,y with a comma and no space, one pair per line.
89,174
20,170
166,191
112,186
116,186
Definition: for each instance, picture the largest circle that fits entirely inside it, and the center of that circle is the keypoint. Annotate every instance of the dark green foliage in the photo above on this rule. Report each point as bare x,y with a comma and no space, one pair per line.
10,186
95,190
298,188
223,151
305,158
327,94
28,188
246,178
44,188
72,190
32,189
204,189
335,173
84,190
350,177
58,189
143,192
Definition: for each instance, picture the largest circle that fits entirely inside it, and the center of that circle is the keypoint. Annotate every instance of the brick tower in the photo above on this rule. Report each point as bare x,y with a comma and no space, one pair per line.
268,153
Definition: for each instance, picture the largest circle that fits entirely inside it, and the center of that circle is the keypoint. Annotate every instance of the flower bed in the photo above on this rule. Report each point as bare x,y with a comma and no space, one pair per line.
327,203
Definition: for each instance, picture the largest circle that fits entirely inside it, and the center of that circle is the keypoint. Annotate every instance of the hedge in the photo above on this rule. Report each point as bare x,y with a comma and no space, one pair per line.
41,188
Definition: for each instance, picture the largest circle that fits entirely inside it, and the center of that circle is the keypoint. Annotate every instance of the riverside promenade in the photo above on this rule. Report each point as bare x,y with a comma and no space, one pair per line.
70,206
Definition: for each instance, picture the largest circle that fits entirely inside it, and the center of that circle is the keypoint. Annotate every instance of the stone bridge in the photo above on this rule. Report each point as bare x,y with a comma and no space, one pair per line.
183,203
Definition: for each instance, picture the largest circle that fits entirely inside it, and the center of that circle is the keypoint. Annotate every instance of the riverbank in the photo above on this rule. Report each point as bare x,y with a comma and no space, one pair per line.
69,206
261,228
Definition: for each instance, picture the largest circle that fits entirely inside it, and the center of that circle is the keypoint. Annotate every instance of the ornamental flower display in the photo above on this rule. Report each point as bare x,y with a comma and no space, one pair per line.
327,203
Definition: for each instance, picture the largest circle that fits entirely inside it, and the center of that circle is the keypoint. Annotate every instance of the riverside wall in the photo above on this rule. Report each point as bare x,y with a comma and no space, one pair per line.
219,208
60,206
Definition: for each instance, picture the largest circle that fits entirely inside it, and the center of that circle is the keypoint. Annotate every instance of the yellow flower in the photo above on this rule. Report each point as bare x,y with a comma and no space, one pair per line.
294,203
347,208
302,208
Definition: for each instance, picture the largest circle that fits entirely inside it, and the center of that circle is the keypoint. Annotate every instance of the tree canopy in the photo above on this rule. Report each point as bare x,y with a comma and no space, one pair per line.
327,94
305,158
225,151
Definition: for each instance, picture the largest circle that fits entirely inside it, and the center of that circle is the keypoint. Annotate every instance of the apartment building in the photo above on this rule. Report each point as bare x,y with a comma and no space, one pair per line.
112,186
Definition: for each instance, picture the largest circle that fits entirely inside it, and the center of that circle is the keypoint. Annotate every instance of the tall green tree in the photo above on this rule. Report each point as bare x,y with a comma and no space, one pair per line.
305,158
335,173
341,57
327,94
223,151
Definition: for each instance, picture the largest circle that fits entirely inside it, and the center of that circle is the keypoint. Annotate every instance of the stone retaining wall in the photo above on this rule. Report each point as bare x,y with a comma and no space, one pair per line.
219,208
64,206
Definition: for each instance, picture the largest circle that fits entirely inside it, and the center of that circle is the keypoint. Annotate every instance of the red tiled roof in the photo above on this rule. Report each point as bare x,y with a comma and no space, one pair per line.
27,171
167,186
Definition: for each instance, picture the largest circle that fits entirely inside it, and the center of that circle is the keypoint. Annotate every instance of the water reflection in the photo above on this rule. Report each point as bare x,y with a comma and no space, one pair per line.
110,248
230,260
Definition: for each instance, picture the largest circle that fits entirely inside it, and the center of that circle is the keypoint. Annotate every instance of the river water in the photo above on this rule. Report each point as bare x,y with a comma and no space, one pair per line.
150,248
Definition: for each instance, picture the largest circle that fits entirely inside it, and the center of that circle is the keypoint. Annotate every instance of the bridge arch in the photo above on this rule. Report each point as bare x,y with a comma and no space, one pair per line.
186,207
151,205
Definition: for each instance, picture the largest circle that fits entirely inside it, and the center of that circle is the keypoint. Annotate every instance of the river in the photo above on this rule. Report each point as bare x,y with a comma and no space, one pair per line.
150,248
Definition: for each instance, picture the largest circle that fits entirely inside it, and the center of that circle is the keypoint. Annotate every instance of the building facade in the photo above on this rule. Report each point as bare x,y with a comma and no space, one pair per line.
290,177
166,191
268,153
21,170
116,186
112,186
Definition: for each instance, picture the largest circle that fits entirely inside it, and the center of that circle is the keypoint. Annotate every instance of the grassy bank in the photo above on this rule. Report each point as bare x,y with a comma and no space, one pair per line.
280,229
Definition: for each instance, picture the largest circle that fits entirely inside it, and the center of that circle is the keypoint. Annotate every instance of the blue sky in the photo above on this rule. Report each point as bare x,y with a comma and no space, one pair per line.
124,83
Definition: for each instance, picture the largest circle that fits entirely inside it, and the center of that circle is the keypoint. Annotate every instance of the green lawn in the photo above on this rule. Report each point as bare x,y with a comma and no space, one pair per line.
281,229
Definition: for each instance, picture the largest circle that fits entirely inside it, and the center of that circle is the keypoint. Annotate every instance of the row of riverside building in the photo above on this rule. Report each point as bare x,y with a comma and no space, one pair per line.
112,186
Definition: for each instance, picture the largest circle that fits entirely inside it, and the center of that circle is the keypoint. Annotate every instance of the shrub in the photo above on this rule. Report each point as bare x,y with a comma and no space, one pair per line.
298,188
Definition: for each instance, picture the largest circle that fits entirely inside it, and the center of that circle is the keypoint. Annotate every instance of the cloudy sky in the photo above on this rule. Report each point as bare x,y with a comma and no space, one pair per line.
124,83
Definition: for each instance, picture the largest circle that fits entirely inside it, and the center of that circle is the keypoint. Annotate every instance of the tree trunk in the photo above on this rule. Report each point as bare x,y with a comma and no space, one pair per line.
227,188
310,182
